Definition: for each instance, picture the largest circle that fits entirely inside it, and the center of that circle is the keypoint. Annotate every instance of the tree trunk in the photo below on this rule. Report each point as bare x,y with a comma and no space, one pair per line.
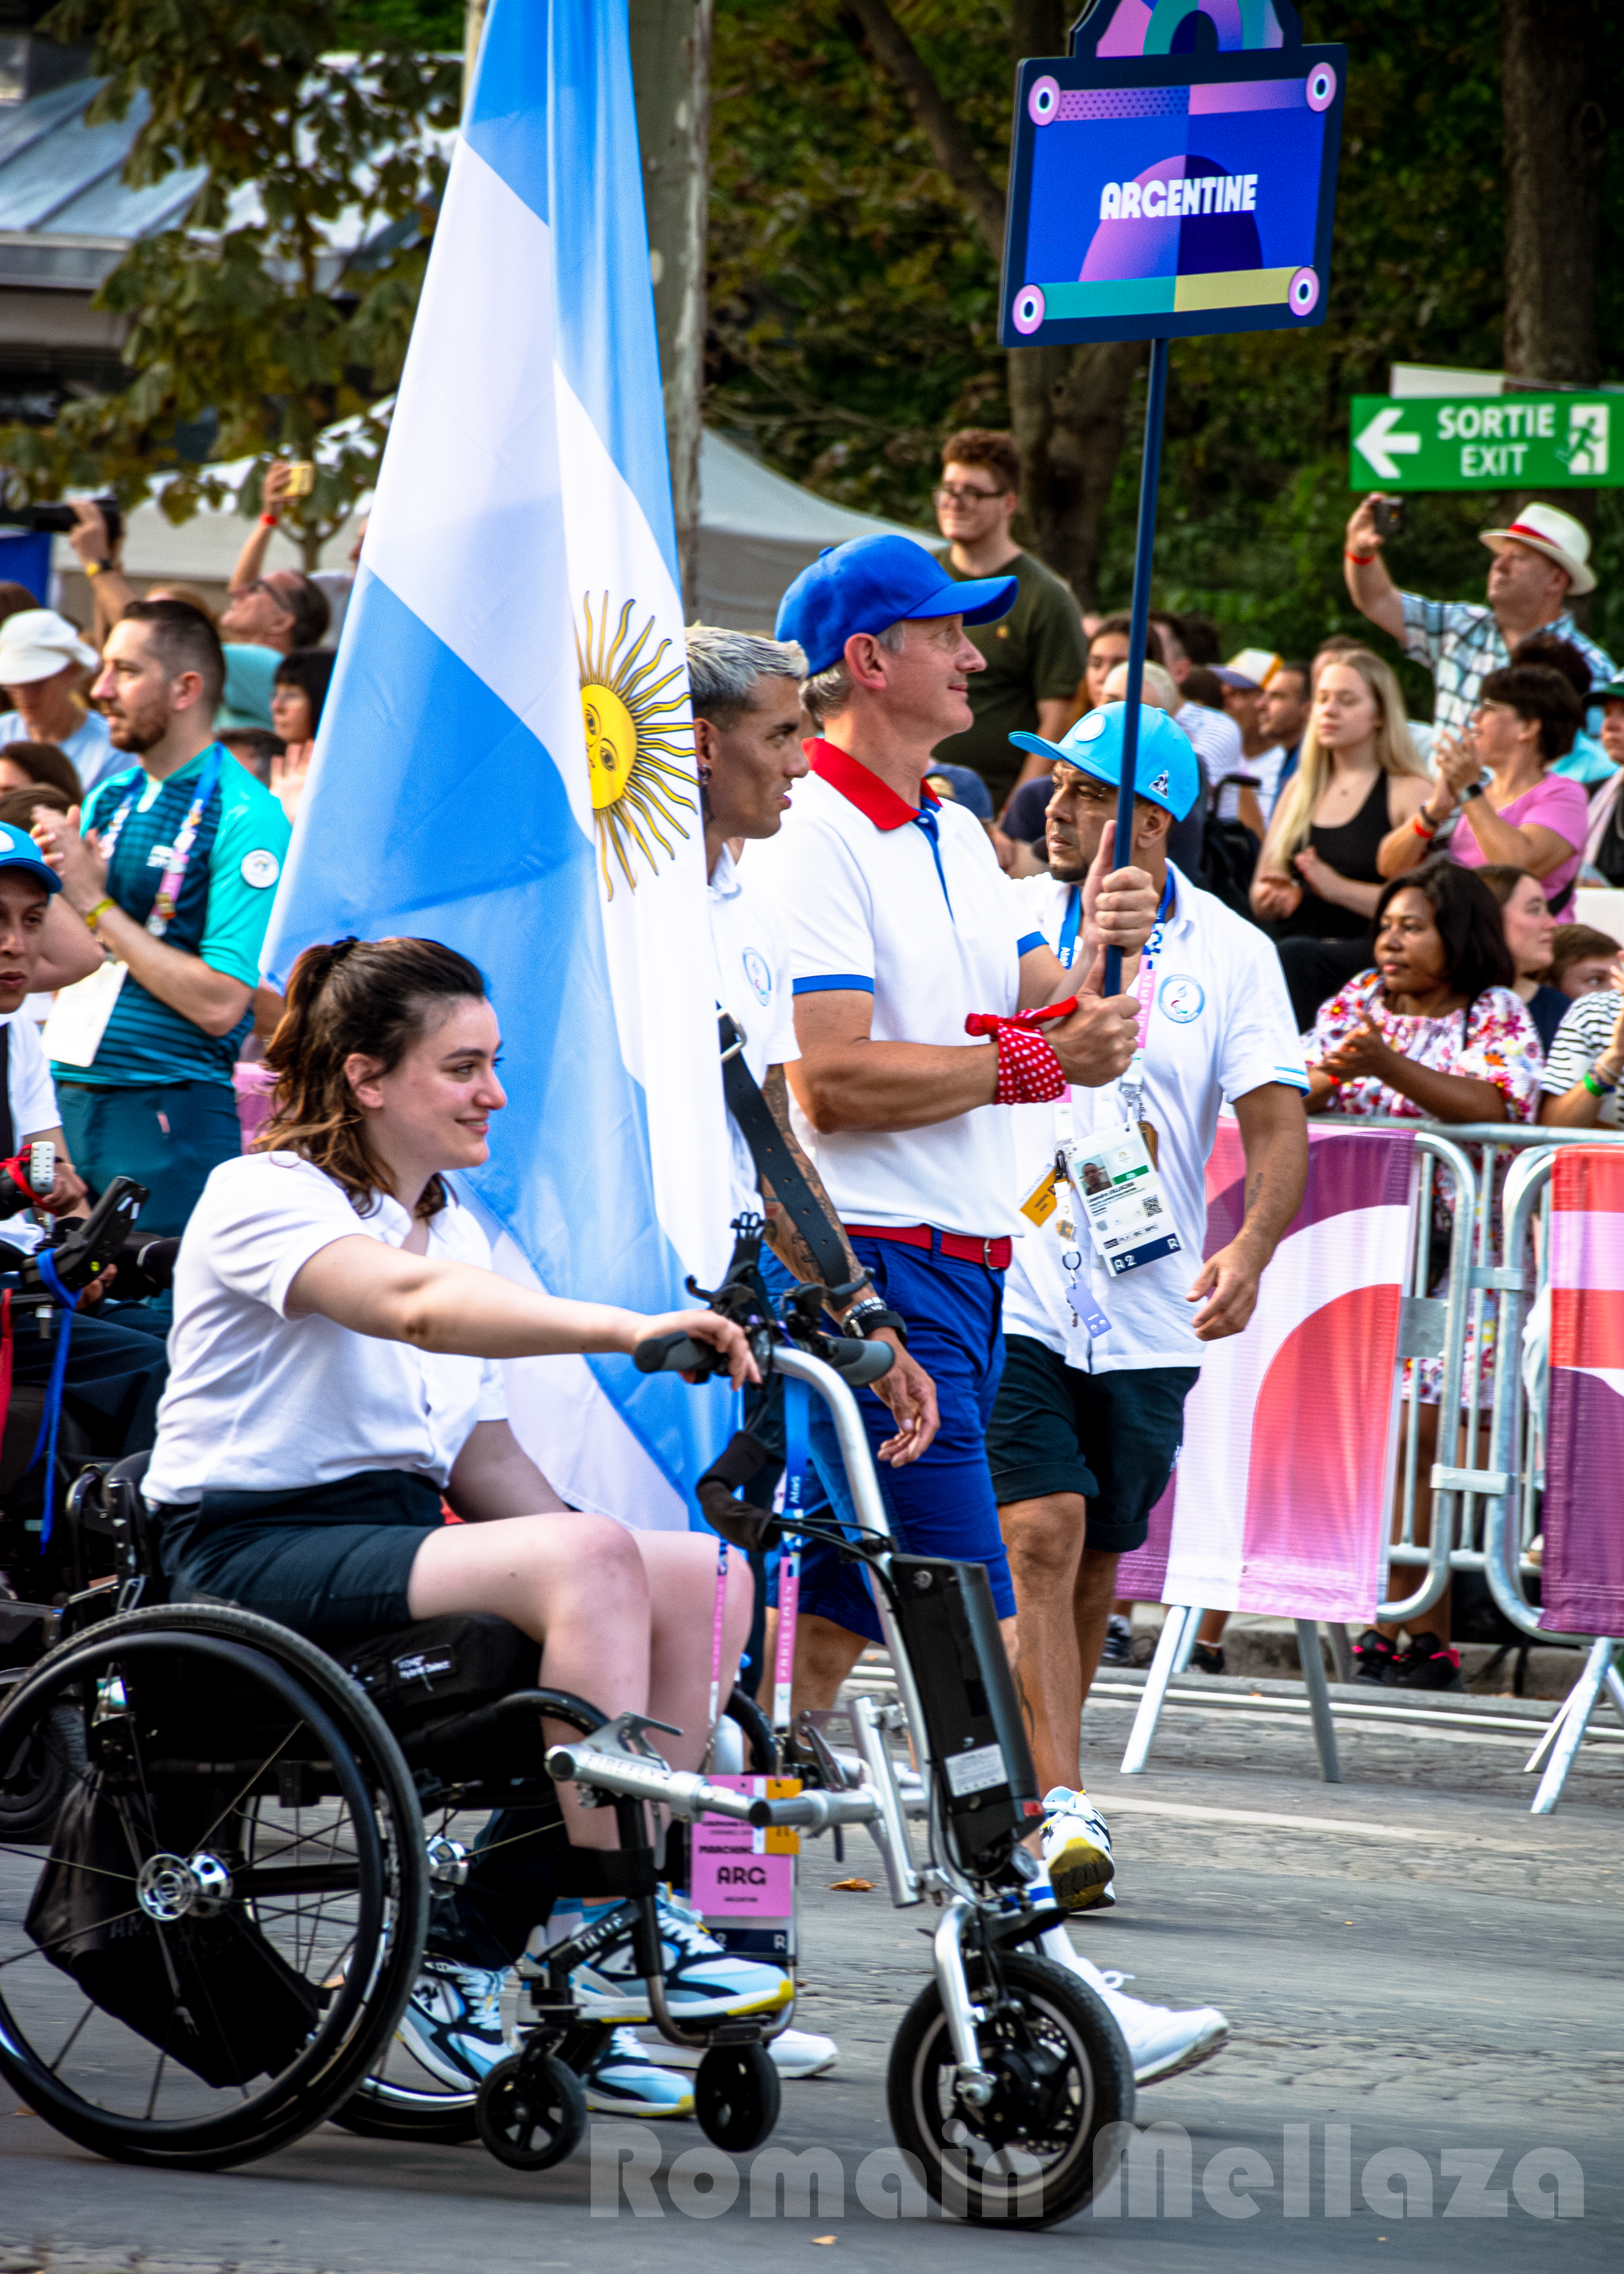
473,26
671,71
1069,409
1556,140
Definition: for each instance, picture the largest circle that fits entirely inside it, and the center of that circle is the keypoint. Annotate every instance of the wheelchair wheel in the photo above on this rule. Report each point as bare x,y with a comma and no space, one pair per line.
232,1912
531,2112
736,2096
39,1775
1063,2073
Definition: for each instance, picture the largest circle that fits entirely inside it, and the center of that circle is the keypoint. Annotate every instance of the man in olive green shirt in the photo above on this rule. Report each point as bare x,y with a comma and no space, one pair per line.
1035,655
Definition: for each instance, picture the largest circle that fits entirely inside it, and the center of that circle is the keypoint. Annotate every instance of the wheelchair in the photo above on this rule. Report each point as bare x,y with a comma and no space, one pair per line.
237,1886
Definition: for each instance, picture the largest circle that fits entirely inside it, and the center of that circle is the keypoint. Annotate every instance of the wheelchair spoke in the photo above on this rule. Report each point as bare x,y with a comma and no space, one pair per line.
70,1863
72,2037
157,2079
38,1949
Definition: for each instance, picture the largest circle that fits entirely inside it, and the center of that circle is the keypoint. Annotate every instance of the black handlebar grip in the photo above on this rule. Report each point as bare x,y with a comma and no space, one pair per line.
859,1362
672,1355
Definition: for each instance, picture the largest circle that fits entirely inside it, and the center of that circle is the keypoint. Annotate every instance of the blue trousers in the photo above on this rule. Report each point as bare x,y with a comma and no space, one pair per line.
943,1503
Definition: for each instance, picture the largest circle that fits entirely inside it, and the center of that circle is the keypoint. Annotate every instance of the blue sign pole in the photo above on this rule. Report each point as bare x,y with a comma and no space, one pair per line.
1138,626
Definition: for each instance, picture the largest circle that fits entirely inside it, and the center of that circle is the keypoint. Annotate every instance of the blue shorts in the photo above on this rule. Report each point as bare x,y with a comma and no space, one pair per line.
941,1504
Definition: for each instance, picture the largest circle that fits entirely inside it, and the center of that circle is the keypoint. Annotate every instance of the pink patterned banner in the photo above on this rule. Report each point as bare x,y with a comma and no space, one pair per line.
1281,1498
1583,1577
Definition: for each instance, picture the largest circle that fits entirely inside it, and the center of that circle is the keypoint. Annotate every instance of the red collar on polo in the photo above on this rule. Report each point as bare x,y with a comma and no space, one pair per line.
875,800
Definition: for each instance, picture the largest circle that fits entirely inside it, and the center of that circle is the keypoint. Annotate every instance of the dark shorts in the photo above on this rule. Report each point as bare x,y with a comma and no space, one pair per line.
941,1504
1110,1438
330,1560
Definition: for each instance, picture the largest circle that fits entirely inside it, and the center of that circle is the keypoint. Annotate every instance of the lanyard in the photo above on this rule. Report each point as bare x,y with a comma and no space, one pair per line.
168,897
795,1396
716,1628
1133,1080
1072,925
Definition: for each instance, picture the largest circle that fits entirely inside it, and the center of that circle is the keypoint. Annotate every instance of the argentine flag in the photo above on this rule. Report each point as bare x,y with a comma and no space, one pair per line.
505,759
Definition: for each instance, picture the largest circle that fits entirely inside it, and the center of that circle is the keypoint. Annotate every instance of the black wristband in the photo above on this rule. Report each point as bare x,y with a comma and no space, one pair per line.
873,1322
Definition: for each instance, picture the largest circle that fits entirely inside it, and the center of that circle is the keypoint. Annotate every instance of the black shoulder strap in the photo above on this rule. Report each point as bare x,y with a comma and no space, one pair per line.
773,1159
8,1127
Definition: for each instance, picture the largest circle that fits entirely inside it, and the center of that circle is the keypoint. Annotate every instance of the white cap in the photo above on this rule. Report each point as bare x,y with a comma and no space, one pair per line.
1546,528
38,641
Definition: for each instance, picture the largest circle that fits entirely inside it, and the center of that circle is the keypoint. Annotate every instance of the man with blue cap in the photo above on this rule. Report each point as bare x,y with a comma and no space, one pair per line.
1100,1358
904,951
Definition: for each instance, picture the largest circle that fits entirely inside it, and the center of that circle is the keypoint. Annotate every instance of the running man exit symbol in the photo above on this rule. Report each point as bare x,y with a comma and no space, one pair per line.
1587,438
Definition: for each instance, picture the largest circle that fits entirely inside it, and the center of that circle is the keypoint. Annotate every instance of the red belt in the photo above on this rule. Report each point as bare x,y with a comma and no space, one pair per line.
960,1246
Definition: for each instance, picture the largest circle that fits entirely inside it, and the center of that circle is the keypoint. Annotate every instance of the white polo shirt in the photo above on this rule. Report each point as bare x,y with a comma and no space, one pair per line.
931,931
753,985
1221,1025
260,1402
29,1087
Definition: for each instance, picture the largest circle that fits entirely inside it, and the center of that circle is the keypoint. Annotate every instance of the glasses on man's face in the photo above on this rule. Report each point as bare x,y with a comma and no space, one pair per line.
963,493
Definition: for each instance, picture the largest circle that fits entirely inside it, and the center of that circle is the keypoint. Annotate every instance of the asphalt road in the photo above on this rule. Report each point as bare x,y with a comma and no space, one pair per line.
1426,2014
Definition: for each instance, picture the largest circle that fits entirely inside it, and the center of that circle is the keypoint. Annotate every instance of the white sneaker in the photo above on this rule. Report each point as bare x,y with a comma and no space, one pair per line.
703,1981
624,2081
1076,1849
796,2054
453,2021
1162,2041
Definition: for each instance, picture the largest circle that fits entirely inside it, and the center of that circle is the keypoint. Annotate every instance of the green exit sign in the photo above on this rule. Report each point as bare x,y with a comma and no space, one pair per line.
1487,443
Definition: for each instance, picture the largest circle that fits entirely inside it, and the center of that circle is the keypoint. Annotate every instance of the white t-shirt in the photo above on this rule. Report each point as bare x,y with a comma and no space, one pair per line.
89,746
753,984
28,1084
1217,740
1221,1025
1584,1034
932,934
257,1402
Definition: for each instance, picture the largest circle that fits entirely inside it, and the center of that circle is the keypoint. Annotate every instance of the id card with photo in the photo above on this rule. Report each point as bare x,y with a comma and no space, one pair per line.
1120,1197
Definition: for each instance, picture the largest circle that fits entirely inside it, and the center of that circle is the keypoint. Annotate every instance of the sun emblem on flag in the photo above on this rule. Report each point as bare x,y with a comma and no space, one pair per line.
635,742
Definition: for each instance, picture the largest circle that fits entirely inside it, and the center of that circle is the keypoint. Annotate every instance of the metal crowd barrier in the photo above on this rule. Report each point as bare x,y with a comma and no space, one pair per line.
1490,1206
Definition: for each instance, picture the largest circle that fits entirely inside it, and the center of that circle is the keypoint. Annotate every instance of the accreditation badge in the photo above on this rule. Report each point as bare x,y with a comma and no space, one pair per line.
1119,1194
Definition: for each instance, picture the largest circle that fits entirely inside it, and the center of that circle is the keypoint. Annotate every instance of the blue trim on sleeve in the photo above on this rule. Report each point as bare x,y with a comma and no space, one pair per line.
1028,941
851,980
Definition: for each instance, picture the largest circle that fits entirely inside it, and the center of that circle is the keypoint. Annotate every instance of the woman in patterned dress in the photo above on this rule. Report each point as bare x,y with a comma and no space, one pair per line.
1433,1032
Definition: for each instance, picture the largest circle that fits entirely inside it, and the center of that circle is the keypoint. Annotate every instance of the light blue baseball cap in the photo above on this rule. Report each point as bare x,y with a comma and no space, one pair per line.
17,850
1167,771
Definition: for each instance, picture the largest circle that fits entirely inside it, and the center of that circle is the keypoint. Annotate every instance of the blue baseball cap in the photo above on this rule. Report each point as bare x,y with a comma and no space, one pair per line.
17,850
964,786
1167,772
873,583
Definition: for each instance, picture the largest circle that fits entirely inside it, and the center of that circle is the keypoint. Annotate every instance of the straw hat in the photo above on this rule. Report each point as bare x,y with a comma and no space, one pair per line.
1544,529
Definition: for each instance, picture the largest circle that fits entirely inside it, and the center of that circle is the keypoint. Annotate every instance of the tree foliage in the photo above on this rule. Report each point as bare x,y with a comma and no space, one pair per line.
854,307
284,300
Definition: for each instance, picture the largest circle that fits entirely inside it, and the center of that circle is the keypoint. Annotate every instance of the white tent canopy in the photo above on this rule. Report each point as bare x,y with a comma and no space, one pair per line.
758,531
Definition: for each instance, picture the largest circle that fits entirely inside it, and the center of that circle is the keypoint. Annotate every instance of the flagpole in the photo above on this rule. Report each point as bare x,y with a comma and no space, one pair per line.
1138,625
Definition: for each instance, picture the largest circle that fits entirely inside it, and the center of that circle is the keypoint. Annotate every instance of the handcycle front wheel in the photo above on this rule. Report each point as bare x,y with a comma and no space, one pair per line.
1061,2072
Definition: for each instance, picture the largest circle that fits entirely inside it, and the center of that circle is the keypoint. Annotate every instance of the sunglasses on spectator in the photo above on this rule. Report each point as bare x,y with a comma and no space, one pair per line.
955,494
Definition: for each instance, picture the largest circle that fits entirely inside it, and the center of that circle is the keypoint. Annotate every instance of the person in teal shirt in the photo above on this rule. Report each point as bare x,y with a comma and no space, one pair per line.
175,873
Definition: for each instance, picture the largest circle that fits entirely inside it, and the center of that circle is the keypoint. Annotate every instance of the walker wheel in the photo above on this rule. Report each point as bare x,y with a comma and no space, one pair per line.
737,2096
531,2112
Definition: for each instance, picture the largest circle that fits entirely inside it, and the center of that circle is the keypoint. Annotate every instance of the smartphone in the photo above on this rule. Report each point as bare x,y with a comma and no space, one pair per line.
301,479
1389,516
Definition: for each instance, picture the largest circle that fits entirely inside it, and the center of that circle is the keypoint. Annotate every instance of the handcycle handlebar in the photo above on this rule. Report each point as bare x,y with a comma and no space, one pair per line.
690,1796
855,1361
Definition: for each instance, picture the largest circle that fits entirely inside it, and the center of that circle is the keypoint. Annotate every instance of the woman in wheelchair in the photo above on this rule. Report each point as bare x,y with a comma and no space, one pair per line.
335,1376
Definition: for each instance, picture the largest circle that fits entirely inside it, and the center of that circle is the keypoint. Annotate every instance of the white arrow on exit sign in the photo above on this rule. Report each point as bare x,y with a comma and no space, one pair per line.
1382,449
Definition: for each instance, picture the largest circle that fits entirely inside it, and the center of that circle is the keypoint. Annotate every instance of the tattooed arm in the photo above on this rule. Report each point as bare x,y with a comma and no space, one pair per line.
1274,1136
908,1391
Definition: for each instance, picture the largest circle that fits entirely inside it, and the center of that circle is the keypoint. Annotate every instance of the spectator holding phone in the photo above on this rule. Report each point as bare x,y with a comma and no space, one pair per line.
1540,559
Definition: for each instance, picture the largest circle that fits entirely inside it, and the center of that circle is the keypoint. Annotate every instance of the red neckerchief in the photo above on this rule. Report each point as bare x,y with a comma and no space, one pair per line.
875,800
